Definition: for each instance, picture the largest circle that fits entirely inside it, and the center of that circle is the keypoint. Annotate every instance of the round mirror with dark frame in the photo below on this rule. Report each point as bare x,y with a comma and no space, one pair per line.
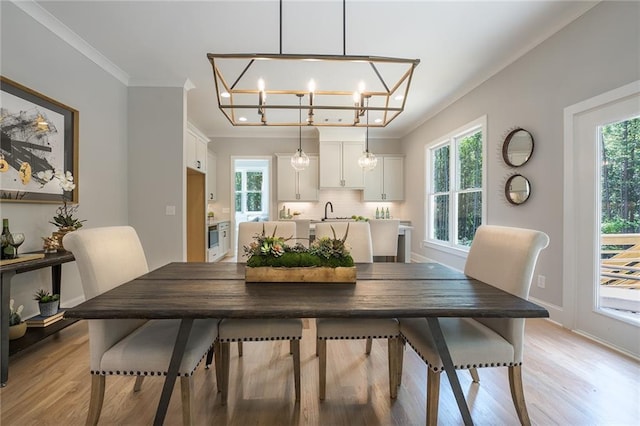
517,147
517,189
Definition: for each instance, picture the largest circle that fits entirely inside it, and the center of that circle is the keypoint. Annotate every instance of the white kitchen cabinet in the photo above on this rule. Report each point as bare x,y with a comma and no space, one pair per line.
386,181
212,159
196,151
339,165
294,185
225,238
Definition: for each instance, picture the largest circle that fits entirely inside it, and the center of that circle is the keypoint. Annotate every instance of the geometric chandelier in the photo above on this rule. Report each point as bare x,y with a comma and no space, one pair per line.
264,89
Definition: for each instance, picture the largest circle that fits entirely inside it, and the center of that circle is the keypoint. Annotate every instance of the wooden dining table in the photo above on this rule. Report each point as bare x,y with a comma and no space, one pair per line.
189,291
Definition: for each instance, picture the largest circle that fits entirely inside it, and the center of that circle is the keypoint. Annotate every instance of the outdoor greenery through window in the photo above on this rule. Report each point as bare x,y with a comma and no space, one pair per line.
248,186
455,182
621,177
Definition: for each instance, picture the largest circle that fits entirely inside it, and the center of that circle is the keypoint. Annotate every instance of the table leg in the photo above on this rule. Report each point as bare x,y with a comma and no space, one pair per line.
5,295
445,356
56,279
174,365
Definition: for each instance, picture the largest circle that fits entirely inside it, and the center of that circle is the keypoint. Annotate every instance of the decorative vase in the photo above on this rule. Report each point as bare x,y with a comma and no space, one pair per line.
49,308
59,234
17,331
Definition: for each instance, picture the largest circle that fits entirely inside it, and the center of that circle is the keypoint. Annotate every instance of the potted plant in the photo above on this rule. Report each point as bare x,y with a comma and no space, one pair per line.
65,221
270,259
47,302
17,327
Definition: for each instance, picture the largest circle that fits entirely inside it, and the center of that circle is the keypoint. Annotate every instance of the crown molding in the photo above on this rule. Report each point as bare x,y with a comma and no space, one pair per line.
186,84
46,19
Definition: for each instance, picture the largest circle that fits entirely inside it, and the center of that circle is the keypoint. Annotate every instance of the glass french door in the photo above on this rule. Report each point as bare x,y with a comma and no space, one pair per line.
606,164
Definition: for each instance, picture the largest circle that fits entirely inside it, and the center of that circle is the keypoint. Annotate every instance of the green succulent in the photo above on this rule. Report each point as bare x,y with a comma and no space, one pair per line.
43,296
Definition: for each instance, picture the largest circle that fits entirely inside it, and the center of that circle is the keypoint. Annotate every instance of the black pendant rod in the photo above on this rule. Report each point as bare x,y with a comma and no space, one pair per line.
344,28
300,124
281,27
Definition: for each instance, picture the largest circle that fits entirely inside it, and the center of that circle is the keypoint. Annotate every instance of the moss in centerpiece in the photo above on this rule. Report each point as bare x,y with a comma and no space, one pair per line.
292,260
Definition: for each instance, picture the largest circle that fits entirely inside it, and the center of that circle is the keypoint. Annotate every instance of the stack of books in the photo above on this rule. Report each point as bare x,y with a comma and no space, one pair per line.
40,321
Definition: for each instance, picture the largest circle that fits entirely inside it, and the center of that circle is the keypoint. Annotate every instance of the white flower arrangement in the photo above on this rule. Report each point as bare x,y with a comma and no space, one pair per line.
65,178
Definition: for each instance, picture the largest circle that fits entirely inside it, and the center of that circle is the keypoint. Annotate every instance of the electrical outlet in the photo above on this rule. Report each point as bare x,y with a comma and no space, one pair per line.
542,281
170,210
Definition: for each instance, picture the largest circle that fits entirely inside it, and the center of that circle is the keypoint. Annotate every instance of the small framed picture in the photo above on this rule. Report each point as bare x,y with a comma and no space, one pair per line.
39,147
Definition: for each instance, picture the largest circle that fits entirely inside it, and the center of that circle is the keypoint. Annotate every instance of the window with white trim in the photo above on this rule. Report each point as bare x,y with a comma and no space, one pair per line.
456,177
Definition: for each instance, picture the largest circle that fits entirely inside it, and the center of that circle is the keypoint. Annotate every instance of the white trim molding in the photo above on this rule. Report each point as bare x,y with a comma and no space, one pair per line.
46,19
570,232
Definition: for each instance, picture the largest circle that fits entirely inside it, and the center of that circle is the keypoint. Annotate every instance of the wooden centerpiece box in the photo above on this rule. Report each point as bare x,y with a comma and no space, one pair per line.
308,274
271,260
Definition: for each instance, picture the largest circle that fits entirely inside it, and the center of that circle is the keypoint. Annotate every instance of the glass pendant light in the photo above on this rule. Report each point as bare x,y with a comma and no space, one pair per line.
367,160
300,160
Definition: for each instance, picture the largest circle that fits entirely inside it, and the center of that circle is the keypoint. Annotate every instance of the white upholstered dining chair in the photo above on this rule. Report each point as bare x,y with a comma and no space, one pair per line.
359,242
243,330
384,237
106,258
505,258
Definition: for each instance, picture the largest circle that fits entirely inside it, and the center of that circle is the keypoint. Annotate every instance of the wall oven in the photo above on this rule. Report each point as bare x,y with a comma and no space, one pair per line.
214,237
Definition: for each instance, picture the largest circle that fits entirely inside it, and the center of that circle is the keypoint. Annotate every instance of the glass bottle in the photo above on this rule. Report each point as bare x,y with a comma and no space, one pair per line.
386,215
7,249
377,213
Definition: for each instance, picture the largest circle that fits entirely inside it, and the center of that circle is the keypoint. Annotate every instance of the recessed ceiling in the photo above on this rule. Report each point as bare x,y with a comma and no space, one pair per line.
459,44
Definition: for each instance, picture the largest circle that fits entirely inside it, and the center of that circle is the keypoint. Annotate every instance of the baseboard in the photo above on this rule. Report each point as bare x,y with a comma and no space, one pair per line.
556,314
73,302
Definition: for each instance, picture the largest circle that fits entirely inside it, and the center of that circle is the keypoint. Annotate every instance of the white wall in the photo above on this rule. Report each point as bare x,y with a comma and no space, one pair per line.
596,53
157,177
31,55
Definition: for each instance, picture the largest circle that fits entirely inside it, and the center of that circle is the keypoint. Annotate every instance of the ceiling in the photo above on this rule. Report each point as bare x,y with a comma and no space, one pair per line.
165,43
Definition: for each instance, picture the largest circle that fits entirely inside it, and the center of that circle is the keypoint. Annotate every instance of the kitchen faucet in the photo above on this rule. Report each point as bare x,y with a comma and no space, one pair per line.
328,203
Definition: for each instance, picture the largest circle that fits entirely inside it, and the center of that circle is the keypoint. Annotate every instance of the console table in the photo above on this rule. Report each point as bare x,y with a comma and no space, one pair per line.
7,272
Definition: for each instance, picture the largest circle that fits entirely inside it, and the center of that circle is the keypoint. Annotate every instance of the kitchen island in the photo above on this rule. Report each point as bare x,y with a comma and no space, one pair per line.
404,236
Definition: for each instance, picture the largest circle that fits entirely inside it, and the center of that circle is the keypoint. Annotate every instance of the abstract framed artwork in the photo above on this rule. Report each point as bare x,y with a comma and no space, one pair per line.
38,148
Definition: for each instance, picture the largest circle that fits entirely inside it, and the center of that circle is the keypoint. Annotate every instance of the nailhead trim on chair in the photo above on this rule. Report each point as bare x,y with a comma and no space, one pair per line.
460,367
359,337
147,373
258,339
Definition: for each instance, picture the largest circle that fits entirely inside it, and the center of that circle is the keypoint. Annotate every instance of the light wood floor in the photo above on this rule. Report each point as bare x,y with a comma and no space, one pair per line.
568,380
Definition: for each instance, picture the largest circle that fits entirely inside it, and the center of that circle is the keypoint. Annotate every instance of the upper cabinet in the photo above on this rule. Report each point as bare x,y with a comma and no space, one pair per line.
196,150
339,165
211,177
386,181
297,186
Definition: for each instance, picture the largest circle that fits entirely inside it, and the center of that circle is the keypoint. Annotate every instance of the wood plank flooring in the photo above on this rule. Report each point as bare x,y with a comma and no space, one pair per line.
568,380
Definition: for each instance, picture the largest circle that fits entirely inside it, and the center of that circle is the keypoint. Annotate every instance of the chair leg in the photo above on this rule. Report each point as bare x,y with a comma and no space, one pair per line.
240,348
97,396
400,348
393,366
295,349
138,384
290,347
321,346
368,348
517,394
207,364
186,386
433,395
474,375
224,374
218,366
